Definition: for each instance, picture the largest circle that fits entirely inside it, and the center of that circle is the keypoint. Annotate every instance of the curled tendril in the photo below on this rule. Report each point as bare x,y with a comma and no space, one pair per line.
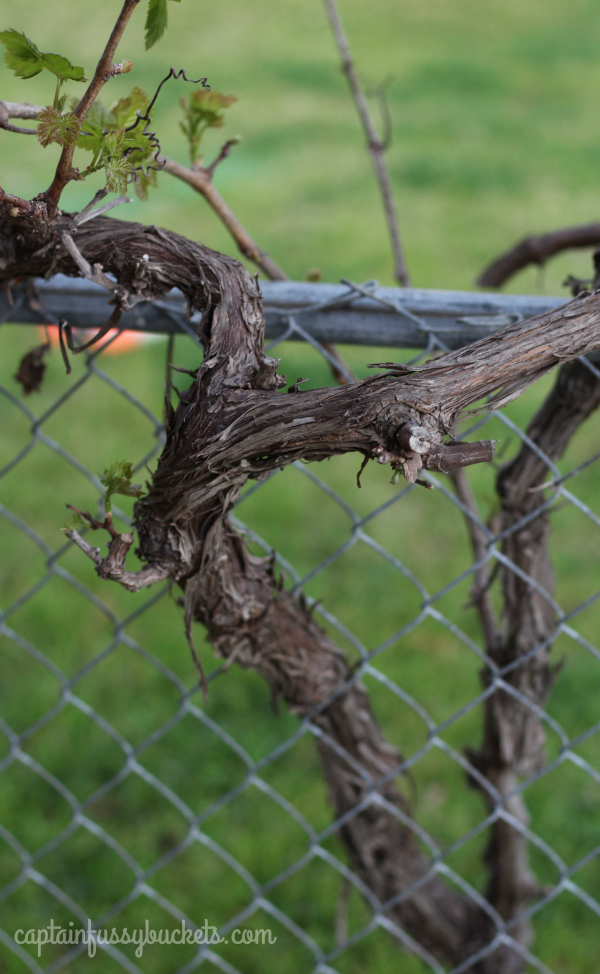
146,117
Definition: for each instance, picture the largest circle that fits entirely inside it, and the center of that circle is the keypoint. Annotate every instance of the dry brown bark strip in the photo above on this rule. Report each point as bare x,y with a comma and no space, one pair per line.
233,424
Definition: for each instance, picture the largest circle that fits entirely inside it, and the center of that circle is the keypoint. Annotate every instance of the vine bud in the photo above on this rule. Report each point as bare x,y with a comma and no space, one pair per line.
123,68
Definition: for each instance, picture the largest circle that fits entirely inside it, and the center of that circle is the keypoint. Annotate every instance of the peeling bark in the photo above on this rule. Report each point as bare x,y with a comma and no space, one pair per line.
232,425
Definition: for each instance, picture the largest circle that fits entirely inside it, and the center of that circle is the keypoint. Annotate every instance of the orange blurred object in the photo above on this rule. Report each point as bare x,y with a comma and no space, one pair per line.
125,341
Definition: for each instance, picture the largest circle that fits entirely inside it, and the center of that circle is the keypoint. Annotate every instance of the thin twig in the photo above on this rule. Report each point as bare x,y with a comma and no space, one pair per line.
88,549
7,111
199,179
100,210
103,73
94,524
537,250
62,325
89,213
94,273
375,144
81,216
224,152
557,481
379,92
362,467
112,566
21,109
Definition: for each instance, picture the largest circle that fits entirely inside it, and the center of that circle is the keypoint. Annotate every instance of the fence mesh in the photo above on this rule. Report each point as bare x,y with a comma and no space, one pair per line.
126,797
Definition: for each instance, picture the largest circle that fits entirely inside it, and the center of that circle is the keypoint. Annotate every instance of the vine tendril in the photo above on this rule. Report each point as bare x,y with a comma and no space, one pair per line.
146,117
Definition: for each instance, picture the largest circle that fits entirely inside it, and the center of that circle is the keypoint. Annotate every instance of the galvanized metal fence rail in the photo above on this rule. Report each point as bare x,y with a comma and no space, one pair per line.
277,863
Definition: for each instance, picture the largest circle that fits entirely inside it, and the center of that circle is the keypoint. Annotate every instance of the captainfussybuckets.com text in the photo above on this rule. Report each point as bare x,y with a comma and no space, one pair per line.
93,938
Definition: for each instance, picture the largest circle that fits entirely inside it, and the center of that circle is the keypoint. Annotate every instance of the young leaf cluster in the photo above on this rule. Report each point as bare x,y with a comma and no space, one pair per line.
56,126
118,143
117,480
75,522
204,109
116,139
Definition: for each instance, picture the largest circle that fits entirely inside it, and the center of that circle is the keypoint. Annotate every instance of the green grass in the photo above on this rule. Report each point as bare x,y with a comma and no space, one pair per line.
495,135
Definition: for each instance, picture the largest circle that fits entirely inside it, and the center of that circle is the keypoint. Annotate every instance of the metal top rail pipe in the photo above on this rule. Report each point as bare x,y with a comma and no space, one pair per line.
345,313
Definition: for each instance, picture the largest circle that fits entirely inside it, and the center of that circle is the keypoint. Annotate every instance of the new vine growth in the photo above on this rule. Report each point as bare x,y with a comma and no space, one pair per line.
119,144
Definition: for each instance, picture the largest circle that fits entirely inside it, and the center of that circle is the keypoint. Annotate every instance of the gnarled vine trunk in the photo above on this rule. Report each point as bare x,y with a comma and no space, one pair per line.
234,424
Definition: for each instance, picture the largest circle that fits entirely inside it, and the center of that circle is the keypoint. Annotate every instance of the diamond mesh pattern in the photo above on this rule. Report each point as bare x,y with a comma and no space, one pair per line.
124,796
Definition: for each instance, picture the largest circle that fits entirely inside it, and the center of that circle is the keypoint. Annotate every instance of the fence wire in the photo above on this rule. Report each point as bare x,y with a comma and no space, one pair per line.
124,796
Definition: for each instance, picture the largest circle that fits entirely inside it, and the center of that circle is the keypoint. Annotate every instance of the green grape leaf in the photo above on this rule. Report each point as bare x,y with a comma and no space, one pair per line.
62,68
22,56
91,137
114,143
125,111
156,21
26,60
117,170
97,120
117,480
117,166
97,113
55,127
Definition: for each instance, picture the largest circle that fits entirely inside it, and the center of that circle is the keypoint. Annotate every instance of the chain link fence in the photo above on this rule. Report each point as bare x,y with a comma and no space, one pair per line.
127,799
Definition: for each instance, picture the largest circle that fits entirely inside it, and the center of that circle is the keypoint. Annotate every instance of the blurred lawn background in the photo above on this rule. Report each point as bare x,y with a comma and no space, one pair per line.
496,134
